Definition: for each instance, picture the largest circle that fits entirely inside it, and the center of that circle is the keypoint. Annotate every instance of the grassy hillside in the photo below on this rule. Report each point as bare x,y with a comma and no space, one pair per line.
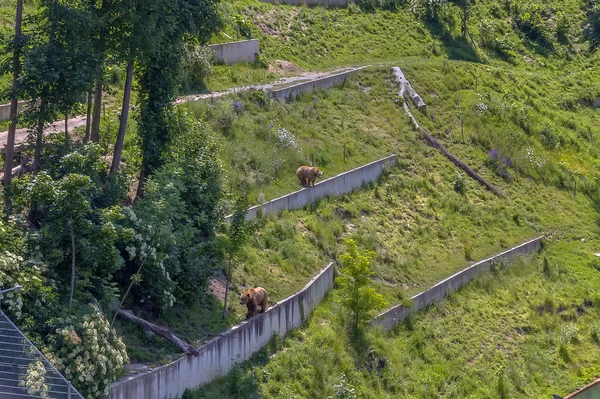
522,331
421,228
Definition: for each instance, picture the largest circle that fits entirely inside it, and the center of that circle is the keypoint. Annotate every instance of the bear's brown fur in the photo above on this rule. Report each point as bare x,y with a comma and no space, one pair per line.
253,298
308,174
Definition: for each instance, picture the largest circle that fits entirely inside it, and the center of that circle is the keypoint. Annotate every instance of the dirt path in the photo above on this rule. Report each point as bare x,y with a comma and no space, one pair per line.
78,121
56,127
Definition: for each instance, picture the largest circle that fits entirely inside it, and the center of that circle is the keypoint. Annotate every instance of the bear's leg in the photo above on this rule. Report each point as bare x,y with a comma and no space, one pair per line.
263,306
301,180
251,310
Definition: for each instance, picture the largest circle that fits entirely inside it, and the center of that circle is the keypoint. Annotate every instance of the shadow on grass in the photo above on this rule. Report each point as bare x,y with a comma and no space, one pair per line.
456,48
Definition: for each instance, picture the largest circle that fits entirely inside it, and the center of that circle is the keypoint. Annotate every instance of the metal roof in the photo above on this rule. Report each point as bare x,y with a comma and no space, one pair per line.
16,354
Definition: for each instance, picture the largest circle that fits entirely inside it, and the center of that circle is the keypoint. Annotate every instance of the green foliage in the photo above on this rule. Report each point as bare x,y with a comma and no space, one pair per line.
87,352
242,26
35,380
64,204
176,219
355,281
460,182
196,67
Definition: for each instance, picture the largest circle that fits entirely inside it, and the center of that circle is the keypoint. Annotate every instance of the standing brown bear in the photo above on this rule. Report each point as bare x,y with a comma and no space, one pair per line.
308,174
253,298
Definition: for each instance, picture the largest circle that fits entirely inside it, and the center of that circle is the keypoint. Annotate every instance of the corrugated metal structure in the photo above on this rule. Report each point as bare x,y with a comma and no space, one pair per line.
16,354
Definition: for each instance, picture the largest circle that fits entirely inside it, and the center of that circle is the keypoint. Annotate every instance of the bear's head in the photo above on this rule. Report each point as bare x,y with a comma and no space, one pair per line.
245,298
319,174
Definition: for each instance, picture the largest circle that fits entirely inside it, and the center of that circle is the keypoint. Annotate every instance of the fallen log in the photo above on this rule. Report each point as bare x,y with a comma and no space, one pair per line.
160,330
436,144
405,88
20,170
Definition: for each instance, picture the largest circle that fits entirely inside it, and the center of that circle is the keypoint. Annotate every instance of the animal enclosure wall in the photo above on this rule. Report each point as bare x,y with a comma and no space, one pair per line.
237,344
228,53
390,318
337,185
291,92
5,110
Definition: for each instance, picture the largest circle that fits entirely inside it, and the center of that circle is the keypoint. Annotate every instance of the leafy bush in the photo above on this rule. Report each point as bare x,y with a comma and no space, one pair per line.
87,352
196,67
460,182
591,30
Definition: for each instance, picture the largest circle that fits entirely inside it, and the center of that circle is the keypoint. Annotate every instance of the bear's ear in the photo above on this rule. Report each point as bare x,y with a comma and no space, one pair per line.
248,295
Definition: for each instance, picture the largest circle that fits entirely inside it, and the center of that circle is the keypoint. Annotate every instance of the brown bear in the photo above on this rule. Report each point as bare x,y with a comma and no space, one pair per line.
253,298
308,174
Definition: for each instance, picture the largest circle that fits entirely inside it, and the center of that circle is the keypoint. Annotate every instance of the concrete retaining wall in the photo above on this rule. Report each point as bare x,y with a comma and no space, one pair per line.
291,92
390,318
337,185
5,110
237,344
231,52
324,3
597,102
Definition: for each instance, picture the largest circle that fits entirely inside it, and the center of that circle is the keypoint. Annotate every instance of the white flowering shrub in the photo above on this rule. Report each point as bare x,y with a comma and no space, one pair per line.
34,380
286,139
88,353
35,290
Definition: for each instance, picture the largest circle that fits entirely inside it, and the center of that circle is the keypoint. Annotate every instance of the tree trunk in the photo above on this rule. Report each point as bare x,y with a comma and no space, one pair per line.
95,133
39,136
67,127
127,292
14,103
160,330
123,123
72,264
88,118
142,180
227,286
465,16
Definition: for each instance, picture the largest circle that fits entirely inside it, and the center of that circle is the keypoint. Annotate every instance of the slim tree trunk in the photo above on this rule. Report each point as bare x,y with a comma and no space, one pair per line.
133,280
465,16
142,180
72,264
227,285
66,126
88,117
14,103
95,133
123,123
39,136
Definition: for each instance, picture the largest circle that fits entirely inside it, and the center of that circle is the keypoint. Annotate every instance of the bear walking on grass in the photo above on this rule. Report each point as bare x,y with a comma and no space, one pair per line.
308,174
253,298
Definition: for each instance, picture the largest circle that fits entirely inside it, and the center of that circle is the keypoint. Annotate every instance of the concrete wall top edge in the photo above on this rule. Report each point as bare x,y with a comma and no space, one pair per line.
236,42
382,314
323,78
389,157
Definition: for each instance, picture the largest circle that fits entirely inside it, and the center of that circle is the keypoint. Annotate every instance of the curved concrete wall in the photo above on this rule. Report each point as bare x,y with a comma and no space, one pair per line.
324,3
228,53
5,110
390,318
337,185
237,344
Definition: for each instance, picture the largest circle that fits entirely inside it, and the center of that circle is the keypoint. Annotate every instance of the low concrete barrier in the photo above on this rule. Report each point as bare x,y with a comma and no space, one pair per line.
5,110
291,92
597,102
220,354
337,185
228,53
390,318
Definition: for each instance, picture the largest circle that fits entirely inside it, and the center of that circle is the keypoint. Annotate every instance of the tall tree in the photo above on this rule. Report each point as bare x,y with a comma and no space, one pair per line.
159,73
238,232
14,103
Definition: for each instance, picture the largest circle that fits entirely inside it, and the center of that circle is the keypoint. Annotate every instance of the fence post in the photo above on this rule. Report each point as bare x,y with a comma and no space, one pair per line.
69,389
462,132
344,152
312,159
